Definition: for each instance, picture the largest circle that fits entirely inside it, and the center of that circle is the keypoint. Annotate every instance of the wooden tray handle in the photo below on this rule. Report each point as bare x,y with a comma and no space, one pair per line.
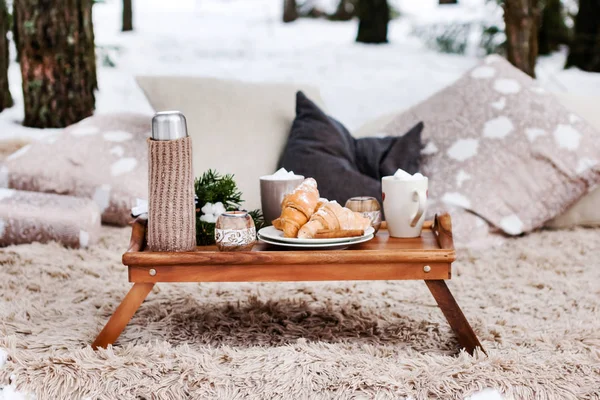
442,229
138,234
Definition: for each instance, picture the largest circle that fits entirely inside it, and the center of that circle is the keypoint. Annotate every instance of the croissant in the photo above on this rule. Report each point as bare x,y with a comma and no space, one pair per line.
297,208
332,216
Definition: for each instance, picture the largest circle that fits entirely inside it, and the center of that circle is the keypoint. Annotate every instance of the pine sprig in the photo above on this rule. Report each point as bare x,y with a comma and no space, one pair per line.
212,188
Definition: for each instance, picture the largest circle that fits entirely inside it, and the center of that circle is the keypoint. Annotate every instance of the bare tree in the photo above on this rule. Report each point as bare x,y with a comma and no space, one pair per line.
127,16
5,97
374,16
553,31
584,51
58,62
521,19
345,11
290,10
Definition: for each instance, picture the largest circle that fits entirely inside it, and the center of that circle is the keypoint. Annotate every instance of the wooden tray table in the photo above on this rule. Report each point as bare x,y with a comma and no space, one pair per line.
427,258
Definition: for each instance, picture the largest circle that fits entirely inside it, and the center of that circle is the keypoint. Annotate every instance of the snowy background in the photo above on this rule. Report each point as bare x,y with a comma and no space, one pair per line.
246,40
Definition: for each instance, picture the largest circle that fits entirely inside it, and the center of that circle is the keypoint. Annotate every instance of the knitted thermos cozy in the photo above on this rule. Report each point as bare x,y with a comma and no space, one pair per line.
171,208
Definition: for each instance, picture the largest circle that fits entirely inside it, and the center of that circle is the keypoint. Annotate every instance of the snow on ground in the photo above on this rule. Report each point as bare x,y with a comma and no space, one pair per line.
245,40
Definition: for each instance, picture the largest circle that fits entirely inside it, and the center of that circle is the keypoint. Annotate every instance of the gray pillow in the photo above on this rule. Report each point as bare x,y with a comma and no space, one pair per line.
322,148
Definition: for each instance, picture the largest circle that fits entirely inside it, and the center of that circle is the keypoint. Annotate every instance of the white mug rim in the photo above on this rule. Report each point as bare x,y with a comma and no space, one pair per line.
391,178
270,178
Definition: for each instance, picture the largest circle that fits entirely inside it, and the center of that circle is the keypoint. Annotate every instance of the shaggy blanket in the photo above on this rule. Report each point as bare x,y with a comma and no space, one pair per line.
535,304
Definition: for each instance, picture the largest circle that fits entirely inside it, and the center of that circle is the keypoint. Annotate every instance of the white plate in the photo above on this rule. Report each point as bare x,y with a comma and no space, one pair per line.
318,246
271,233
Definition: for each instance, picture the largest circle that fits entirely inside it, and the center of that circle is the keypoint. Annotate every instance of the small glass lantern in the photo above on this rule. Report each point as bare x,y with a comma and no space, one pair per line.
235,231
367,206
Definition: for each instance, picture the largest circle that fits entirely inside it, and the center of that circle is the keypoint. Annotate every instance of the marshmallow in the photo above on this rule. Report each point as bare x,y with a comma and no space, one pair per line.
401,174
282,174
405,176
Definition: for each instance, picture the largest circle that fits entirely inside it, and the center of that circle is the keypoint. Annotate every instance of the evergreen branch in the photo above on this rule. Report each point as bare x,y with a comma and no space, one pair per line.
212,188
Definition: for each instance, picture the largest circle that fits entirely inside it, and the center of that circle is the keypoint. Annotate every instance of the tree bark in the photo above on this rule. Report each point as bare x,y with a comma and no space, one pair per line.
58,61
127,16
6,100
374,16
521,19
584,51
553,30
15,32
290,10
345,11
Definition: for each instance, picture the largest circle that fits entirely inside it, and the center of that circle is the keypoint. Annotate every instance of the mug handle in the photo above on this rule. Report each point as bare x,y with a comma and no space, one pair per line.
420,197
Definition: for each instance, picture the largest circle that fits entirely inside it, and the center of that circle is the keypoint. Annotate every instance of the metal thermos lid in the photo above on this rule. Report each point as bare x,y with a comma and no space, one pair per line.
169,125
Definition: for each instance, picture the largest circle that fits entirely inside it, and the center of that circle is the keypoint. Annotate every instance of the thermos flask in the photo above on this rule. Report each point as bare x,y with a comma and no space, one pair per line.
171,208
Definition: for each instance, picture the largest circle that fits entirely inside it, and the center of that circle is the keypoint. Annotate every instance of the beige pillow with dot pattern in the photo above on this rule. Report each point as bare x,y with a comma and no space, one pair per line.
103,157
503,148
27,217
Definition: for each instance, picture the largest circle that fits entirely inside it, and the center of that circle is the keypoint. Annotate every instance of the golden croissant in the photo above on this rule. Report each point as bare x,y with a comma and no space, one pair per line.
332,216
297,208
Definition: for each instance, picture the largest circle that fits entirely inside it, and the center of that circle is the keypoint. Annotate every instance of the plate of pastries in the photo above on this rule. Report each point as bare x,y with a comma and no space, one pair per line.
309,221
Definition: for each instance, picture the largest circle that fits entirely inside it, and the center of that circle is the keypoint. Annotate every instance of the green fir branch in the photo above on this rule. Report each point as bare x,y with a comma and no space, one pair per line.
214,188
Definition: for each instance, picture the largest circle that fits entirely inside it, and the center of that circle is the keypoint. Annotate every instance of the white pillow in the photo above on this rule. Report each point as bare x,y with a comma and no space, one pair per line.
236,127
586,211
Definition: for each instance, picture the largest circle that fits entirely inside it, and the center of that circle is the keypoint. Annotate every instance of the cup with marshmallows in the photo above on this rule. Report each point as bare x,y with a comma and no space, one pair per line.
404,203
273,188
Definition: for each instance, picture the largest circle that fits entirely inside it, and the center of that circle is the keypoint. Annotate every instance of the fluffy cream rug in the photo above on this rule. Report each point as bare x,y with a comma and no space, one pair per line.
535,304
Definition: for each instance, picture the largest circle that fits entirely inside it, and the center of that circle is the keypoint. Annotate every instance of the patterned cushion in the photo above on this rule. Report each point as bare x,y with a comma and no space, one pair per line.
103,158
27,217
505,149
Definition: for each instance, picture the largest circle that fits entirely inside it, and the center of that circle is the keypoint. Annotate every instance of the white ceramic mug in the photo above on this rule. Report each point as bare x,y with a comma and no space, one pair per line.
404,204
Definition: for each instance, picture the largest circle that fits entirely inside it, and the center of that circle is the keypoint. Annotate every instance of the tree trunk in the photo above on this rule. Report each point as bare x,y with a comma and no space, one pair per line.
58,62
521,19
290,10
127,16
15,32
584,52
5,97
553,30
374,16
345,11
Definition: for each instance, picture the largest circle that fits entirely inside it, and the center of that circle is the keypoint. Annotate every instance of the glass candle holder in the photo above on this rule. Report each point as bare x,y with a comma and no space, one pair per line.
367,206
235,231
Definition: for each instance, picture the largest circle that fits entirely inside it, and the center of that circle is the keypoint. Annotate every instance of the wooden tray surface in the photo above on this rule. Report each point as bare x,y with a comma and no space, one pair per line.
383,257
